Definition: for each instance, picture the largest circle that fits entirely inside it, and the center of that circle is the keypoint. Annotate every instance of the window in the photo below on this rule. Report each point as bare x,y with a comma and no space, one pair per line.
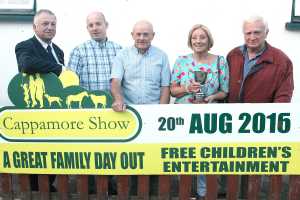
17,9
295,16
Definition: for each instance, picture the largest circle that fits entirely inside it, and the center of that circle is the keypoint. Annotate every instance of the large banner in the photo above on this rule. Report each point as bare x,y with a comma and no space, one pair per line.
62,129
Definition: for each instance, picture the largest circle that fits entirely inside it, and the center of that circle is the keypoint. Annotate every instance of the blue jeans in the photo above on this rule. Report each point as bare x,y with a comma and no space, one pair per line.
201,185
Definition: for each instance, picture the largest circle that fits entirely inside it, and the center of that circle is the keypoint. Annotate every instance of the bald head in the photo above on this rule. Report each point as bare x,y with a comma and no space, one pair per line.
142,34
95,14
143,24
96,25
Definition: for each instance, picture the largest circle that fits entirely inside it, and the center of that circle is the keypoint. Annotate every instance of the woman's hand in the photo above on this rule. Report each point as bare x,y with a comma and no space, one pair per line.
210,99
193,87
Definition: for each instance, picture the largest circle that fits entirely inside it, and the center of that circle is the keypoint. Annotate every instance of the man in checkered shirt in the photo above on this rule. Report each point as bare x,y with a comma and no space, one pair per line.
92,60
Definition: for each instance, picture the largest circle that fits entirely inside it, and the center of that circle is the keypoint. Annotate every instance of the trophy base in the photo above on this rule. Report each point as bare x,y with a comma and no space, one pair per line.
198,97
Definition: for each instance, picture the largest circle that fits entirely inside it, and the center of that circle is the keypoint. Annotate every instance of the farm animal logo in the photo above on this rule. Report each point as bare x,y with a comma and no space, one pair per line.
49,91
56,109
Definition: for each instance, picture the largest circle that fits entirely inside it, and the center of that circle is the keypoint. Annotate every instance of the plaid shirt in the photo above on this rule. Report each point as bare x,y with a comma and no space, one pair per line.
92,62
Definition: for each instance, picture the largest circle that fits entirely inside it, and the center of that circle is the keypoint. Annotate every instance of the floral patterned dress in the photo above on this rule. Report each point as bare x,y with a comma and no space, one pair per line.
217,75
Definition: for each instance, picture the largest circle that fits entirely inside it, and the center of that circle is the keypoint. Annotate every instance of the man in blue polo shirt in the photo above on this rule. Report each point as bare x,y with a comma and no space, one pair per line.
141,73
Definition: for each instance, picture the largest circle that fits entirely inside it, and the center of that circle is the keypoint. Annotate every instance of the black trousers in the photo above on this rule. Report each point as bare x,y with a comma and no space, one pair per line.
34,182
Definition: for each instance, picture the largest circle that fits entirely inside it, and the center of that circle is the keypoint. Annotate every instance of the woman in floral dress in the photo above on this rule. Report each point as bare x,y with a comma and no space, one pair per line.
214,87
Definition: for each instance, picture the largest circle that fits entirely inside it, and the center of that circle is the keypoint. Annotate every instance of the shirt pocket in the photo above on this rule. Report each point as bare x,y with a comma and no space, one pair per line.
153,73
131,71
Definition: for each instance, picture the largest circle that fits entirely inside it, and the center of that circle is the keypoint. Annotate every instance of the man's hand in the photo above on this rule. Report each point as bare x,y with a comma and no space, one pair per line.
118,106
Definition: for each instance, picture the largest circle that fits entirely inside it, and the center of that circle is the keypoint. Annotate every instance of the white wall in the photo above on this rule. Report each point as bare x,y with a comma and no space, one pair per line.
172,20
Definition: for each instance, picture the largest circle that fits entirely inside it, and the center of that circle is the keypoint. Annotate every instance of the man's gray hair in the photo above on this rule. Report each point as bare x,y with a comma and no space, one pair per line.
255,19
38,13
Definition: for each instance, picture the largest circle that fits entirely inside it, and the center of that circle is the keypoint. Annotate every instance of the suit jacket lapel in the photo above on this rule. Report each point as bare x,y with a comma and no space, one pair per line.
39,47
42,51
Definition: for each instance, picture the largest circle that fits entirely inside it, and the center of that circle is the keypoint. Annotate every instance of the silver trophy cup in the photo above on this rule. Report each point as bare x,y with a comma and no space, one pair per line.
200,77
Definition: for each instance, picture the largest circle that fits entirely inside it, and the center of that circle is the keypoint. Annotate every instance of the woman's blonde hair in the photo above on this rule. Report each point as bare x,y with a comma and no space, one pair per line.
207,32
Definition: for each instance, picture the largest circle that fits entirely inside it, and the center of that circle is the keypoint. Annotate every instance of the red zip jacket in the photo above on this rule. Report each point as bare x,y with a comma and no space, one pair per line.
270,79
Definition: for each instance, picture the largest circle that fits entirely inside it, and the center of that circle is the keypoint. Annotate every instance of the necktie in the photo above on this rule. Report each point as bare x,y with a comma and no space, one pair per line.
50,55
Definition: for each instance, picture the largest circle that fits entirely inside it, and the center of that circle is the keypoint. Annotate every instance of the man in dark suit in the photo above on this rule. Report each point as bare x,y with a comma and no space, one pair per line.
38,54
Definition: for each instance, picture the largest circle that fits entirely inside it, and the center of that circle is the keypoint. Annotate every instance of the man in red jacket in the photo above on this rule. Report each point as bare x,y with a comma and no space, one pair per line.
259,73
